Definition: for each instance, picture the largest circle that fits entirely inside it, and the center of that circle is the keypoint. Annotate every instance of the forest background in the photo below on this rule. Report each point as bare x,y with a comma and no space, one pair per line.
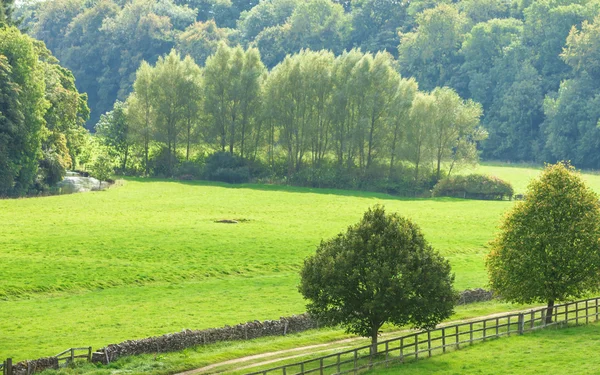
330,93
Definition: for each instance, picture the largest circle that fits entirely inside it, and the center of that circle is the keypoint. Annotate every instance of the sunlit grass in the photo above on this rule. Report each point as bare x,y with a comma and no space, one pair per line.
559,351
147,258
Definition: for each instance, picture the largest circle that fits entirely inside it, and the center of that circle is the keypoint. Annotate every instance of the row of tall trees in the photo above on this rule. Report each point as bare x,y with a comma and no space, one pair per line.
527,63
353,111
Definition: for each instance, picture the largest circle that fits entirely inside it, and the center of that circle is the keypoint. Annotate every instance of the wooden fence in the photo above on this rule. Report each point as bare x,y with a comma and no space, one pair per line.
67,356
429,342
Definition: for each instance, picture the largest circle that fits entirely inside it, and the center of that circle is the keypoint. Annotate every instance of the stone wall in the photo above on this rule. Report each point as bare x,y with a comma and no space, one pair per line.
38,365
475,295
188,338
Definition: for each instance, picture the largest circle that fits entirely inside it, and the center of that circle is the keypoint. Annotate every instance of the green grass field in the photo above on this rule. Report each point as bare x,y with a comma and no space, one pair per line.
147,258
571,350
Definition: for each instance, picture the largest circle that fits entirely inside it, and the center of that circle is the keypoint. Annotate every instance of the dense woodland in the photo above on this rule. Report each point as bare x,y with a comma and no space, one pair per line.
323,90
41,114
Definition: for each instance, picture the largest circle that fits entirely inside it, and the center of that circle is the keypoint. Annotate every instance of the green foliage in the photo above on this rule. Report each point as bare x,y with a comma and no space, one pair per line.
474,186
381,270
200,40
226,167
113,130
509,56
52,169
22,108
102,168
548,248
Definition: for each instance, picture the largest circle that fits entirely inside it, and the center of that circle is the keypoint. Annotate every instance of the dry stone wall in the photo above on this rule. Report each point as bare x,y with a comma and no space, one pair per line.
38,365
475,295
188,338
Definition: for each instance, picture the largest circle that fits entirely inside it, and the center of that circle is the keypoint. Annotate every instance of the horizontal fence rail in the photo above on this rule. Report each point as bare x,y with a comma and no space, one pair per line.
69,355
436,341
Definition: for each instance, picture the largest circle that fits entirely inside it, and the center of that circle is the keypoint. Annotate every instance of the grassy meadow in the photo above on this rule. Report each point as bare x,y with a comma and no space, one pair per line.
558,351
148,258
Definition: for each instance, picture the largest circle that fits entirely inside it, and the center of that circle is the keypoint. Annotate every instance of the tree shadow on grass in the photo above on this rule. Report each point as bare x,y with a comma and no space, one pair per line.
296,189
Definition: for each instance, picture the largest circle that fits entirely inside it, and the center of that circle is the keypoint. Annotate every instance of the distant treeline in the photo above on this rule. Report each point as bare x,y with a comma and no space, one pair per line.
314,119
530,63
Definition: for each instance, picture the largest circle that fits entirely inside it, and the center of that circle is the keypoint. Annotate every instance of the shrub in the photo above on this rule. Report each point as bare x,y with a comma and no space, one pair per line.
189,170
51,168
223,166
159,163
473,186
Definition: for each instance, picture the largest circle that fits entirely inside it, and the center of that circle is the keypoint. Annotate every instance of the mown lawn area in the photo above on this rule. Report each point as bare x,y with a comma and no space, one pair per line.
147,258
572,350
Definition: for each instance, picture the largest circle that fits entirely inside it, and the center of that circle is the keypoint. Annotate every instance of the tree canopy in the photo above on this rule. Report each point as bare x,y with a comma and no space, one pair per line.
530,64
548,248
381,270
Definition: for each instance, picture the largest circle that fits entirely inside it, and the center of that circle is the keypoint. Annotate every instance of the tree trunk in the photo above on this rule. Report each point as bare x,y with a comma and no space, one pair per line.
549,311
187,151
125,160
374,332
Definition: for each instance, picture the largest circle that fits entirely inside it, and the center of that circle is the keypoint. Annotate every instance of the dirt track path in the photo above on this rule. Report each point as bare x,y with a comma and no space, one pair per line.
306,350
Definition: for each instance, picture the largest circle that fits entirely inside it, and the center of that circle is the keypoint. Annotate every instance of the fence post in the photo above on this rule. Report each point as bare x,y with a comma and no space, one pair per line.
521,323
90,354
8,366
543,322
429,342
402,349
444,340
72,355
587,315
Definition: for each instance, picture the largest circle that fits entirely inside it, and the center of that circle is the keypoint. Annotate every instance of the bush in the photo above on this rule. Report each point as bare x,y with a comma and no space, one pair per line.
189,170
326,175
51,169
473,186
225,167
159,163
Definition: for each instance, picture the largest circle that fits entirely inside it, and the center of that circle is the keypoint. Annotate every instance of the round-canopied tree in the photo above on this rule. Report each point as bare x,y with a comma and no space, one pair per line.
548,248
380,271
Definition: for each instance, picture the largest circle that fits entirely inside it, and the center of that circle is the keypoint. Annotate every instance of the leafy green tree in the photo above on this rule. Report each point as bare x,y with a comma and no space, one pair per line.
267,13
431,52
191,91
201,40
314,24
418,146
403,99
168,99
6,13
113,129
102,168
22,109
67,113
548,249
456,129
232,87
141,115
381,270
375,24
484,10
